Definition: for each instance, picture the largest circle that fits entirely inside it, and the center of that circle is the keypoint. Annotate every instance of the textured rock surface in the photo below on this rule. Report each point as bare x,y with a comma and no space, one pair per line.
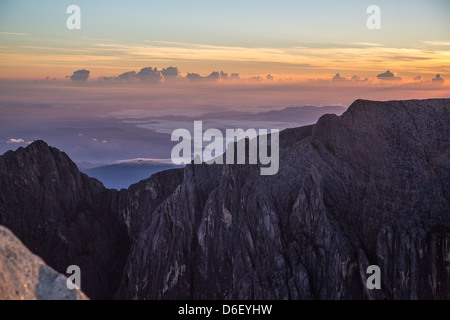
63,216
369,187
24,276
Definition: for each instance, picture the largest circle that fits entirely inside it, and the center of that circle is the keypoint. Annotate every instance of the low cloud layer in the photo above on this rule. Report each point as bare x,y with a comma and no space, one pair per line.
172,74
354,78
213,76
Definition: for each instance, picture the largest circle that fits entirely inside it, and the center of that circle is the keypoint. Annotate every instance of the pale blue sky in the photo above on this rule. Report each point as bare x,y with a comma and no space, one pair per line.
233,22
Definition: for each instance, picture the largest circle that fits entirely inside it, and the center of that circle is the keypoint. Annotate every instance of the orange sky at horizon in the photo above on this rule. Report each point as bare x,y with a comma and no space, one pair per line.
302,63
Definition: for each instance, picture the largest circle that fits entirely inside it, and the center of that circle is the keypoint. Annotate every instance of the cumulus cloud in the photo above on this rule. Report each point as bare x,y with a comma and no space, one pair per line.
80,75
357,78
149,74
438,79
338,77
194,77
170,73
15,141
255,78
235,76
223,75
214,76
417,78
130,75
123,77
388,75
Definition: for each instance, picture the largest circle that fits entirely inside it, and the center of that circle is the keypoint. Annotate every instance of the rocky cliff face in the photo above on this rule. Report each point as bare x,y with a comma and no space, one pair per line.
371,187
63,216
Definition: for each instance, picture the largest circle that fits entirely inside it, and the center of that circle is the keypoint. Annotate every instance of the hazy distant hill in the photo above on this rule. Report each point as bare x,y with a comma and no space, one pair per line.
90,139
124,174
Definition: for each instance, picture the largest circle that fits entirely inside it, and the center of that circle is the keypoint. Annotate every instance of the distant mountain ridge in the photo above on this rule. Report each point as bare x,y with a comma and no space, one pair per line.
371,187
127,172
91,138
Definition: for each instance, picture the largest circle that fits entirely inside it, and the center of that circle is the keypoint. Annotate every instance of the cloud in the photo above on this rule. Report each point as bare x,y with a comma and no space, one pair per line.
126,76
223,75
170,73
417,78
255,78
269,77
357,78
438,79
437,43
149,74
367,44
14,33
15,141
194,77
318,58
338,77
214,76
80,75
130,75
388,75
235,76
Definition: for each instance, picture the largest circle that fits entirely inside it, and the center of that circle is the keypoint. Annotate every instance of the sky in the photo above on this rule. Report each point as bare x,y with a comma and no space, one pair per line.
288,39
318,53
